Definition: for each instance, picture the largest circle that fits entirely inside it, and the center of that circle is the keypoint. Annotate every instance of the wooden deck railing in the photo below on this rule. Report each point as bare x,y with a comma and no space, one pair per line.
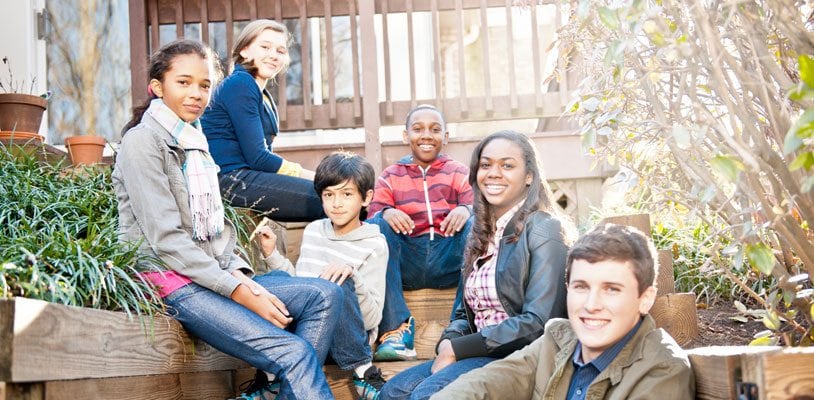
500,79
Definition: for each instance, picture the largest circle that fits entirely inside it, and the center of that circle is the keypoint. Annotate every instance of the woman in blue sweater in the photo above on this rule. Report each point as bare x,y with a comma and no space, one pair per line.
241,123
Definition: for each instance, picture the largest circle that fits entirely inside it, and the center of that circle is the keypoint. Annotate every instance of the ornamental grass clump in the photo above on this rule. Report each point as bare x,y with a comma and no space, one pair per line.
59,242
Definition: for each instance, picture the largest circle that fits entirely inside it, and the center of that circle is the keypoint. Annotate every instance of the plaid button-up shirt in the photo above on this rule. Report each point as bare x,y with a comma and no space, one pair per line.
480,291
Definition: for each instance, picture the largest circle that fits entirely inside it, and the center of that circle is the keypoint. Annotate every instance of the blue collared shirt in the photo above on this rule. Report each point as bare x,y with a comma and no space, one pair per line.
584,374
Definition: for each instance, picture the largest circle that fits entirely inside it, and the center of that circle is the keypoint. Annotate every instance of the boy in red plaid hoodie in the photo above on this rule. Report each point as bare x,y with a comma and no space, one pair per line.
423,206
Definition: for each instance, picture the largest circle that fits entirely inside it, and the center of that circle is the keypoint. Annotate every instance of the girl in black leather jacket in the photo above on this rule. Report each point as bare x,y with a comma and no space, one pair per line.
514,269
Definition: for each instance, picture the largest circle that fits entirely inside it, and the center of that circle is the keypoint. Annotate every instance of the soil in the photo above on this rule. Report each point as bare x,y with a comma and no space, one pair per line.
716,328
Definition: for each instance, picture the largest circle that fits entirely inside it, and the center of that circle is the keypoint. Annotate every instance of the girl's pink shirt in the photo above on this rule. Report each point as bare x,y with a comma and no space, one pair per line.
165,282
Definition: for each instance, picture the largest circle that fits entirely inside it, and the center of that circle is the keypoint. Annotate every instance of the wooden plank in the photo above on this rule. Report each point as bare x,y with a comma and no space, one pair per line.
55,342
427,334
665,282
24,391
486,62
329,49
715,369
675,312
342,384
780,375
203,385
155,42
436,51
205,24
388,82
535,55
230,26
408,5
282,98
430,304
179,22
357,93
6,339
638,221
305,60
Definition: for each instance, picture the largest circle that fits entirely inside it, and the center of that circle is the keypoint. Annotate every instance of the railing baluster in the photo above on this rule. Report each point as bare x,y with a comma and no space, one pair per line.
436,48
459,21
230,27
205,23
388,83
305,56
370,82
282,99
357,108
561,66
155,41
411,50
179,20
329,38
487,76
510,50
535,54
253,10
138,51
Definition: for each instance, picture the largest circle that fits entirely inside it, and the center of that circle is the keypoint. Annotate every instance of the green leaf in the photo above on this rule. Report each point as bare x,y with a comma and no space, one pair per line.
802,129
808,183
762,341
741,308
806,69
588,140
727,166
771,321
609,17
801,92
804,160
761,257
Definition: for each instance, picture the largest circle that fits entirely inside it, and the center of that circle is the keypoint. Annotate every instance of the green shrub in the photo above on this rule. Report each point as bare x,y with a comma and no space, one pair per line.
58,238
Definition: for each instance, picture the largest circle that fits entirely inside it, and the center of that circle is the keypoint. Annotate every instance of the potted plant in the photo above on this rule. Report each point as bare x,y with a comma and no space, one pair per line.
20,111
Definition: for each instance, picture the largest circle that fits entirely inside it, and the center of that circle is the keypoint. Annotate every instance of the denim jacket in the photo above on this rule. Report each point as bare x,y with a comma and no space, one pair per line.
154,211
530,282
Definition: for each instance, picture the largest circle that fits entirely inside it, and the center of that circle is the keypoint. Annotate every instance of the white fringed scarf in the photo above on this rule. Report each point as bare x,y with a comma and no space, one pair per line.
200,171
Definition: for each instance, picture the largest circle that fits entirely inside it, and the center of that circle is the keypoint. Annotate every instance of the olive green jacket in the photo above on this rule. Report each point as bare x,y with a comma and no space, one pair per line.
650,366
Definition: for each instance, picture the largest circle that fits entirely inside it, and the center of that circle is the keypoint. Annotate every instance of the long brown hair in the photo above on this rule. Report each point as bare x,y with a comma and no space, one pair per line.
538,197
248,35
161,62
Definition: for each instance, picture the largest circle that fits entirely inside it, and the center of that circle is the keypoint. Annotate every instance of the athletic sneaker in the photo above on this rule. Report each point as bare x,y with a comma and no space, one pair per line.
369,386
259,388
397,345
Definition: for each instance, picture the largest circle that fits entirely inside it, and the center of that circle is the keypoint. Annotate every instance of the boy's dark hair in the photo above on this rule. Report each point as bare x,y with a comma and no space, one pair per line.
619,243
424,107
341,166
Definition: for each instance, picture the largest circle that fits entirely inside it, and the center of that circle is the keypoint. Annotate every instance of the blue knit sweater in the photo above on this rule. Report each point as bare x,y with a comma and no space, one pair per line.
240,128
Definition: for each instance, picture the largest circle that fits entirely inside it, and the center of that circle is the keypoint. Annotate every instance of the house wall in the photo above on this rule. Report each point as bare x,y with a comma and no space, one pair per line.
18,28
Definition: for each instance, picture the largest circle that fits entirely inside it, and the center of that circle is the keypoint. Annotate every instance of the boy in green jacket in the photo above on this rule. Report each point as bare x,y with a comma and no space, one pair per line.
609,348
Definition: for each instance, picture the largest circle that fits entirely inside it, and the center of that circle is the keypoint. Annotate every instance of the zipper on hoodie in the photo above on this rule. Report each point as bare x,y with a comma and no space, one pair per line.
427,201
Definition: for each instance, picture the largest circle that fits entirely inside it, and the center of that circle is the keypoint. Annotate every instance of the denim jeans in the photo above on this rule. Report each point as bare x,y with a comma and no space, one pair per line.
294,354
418,263
420,383
284,198
350,348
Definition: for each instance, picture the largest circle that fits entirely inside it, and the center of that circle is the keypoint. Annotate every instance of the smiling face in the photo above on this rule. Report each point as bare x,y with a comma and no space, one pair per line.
604,303
342,203
426,134
269,54
185,86
502,177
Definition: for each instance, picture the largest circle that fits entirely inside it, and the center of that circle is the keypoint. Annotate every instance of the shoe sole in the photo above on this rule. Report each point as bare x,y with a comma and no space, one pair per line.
395,355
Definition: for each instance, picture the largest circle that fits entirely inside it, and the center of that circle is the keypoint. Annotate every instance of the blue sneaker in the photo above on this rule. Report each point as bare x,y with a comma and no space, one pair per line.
369,386
259,388
398,344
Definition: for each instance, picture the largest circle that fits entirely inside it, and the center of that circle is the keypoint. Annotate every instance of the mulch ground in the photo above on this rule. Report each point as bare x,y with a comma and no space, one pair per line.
716,328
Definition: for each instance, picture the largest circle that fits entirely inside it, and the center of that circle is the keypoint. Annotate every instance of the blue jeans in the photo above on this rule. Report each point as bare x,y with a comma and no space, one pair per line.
294,354
283,198
420,383
418,263
350,348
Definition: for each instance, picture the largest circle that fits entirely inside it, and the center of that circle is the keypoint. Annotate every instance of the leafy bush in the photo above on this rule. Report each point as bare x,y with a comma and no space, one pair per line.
58,238
711,104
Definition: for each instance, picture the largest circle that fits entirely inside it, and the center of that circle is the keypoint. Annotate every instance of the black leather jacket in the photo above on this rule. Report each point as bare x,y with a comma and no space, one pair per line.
530,283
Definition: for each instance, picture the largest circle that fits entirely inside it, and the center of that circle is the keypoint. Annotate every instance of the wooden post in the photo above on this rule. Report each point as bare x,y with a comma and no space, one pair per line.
370,85
780,375
138,51
638,221
716,369
676,313
665,282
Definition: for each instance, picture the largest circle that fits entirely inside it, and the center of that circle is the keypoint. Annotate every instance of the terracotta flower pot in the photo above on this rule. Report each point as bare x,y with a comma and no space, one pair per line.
21,112
85,150
23,136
